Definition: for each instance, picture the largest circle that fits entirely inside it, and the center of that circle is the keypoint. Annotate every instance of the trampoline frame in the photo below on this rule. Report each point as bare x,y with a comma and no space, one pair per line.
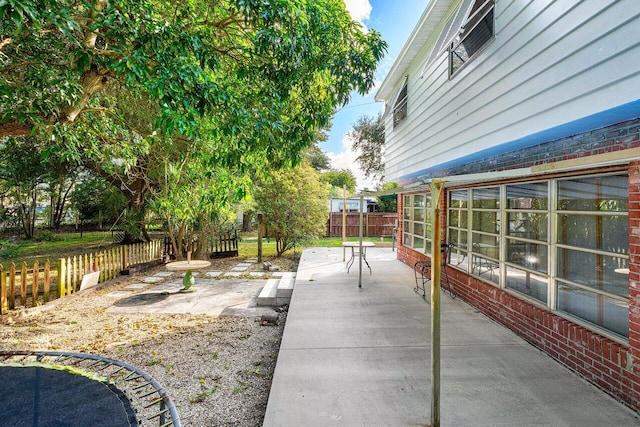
149,400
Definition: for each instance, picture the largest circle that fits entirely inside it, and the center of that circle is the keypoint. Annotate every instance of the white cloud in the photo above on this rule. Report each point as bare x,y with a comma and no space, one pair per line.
359,9
347,160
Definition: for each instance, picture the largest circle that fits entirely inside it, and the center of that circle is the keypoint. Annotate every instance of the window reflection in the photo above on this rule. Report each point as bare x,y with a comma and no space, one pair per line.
604,193
529,196
529,255
597,271
609,313
486,198
525,282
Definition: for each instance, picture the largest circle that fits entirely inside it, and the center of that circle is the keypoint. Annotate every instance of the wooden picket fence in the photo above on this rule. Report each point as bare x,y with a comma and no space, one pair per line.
28,287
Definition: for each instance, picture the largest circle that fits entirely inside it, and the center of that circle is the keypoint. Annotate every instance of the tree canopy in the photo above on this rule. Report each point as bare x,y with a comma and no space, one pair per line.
280,66
368,141
340,178
295,205
138,89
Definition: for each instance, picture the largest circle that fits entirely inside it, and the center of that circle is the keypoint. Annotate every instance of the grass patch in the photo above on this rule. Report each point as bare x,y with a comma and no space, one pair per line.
69,244
60,246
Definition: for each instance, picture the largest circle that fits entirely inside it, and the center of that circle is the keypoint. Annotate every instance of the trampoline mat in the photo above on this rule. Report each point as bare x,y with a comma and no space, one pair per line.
45,397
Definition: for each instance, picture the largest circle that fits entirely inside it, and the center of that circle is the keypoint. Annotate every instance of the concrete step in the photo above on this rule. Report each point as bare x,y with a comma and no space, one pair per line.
268,293
278,290
285,289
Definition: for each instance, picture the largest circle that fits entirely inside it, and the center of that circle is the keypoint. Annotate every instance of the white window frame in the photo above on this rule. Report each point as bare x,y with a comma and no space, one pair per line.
417,224
482,9
498,277
400,104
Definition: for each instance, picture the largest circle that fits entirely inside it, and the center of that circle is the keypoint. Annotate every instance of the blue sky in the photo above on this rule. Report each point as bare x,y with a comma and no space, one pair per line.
394,20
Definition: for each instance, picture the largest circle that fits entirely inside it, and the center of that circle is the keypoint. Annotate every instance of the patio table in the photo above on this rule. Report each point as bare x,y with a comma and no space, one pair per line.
188,266
354,252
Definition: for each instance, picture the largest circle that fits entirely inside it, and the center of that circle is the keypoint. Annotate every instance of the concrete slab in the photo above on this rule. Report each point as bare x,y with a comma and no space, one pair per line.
244,264
136,286
163,273
212,274
211,296
118,294
355,356
153,279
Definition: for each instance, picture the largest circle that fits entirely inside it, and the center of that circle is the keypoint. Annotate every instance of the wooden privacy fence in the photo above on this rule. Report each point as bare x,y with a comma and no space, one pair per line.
374,224
28,287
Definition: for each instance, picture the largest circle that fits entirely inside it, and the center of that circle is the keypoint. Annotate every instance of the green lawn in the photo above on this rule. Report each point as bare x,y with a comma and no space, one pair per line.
70,244
61,246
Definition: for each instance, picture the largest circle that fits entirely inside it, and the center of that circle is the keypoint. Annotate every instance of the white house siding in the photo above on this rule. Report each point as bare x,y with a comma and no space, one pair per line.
551,63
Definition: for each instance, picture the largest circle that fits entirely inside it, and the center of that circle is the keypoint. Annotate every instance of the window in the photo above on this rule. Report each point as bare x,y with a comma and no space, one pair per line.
458,226
526,243
400,105
475,33
485,233
417,222
593,250
564,243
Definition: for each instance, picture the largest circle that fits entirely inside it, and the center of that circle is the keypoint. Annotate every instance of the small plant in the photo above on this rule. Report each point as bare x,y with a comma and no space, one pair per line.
46,236
201,397
8,250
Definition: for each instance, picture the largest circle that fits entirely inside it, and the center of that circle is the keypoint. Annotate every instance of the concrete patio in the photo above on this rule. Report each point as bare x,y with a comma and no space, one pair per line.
361,357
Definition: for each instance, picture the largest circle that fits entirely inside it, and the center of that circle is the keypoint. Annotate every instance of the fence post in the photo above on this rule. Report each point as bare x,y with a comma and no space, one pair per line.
62,274
12,286
47,281
3,291
35,284
123,257
23,284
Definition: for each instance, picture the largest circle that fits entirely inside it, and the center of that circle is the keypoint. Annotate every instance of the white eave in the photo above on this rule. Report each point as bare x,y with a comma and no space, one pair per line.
434,13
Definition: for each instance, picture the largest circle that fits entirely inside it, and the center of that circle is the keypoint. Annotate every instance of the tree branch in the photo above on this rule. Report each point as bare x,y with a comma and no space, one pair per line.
15,128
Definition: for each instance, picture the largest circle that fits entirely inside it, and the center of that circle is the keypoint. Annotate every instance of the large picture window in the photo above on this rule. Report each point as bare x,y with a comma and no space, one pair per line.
593,250
563,243
417,222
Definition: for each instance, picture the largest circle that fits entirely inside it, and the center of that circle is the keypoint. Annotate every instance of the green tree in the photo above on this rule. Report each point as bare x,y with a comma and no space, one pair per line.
340,179
192,58
317,158
388,203
124,85
28,177
97,200
295,205
368,141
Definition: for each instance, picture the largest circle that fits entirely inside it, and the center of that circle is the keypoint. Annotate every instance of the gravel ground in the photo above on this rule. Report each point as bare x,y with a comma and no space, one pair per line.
217,370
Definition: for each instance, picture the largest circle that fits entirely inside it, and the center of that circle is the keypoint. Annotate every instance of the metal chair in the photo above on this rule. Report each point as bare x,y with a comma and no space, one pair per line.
422,272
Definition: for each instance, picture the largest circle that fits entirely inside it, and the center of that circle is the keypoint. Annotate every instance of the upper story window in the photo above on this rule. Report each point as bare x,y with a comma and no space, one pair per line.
475,33
400,105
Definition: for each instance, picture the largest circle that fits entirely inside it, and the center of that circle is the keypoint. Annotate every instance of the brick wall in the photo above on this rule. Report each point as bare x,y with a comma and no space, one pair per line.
611,138
612,366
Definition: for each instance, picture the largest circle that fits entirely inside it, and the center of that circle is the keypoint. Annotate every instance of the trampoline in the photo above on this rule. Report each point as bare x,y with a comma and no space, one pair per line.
58,389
